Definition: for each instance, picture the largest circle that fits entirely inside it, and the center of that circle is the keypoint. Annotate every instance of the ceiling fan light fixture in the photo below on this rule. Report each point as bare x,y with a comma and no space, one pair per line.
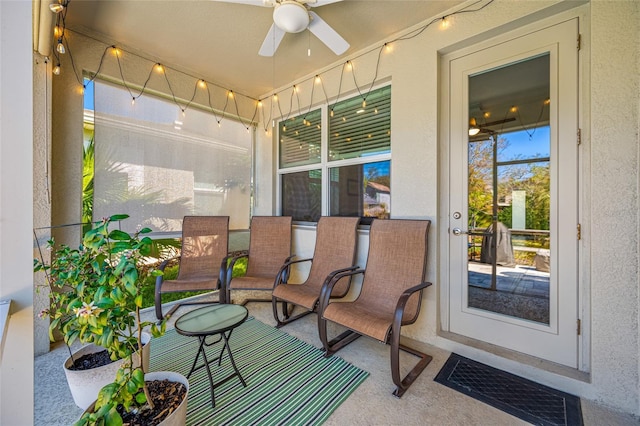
473,127
291,16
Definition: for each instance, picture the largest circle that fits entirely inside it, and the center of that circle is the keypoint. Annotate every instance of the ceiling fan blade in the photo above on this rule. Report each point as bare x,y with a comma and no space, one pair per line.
327,35
271,41
318,3
265,3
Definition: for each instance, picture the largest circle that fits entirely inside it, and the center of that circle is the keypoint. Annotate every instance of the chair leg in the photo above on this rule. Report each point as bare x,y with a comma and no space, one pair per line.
339,342
403,384
287,310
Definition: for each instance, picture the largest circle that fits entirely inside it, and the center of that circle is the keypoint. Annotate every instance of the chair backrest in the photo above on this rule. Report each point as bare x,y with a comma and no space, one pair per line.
397,261
205,242
336,241
269,244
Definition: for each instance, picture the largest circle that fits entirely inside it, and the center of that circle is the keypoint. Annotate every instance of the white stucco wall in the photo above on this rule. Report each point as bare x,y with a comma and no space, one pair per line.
16,210
614,143
610,120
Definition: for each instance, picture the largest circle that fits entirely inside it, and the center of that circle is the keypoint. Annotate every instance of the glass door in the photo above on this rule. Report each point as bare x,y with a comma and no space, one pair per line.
513,183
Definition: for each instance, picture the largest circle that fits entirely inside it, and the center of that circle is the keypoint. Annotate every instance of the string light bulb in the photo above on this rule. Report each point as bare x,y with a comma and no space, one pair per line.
349,65
259,104
230,94
159,67
56,7
444,23
133,101
513,108
202,84
60,47
331,113
318,80
56,69
364,102
388,48
547,101
275,97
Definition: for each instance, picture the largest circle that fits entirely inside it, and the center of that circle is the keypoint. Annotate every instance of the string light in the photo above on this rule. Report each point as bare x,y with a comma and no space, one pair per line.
133,101
444,23
56,7
60,8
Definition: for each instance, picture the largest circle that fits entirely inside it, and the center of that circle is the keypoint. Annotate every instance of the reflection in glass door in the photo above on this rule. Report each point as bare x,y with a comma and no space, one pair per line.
509,190
512,193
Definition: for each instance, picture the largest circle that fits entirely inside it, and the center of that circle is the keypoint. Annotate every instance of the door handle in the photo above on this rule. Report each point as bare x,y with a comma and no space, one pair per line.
458,231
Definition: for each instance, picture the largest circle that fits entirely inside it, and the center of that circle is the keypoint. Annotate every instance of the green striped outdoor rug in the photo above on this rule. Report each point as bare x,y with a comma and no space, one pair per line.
288,381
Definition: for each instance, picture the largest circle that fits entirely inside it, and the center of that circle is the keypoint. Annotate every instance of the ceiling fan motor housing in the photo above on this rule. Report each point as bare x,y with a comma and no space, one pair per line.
291,16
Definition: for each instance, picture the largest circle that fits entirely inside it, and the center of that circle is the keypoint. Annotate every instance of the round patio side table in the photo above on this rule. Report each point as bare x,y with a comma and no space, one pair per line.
209,321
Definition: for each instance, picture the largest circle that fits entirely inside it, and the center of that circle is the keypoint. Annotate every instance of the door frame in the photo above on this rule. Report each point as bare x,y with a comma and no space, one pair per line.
583,260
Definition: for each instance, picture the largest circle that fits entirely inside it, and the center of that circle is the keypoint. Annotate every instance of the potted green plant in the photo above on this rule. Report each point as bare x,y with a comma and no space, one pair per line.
96,296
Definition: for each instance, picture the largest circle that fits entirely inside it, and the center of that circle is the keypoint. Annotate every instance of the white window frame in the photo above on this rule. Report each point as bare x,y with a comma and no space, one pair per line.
325,164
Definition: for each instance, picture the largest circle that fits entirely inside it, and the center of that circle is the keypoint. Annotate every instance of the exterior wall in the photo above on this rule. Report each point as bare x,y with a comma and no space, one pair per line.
614,143
610,122
16,210
41,201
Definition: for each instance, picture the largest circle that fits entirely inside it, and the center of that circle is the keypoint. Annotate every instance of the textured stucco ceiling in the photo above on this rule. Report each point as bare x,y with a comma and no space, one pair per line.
219,41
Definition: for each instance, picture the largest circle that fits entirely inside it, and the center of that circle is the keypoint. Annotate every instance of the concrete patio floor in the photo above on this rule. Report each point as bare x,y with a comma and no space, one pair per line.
425,403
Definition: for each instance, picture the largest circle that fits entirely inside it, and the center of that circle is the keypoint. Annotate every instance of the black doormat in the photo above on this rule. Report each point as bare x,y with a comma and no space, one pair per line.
522,398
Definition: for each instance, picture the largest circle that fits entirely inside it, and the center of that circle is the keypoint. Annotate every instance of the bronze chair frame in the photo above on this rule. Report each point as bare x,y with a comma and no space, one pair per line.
282,273
287,305
393,335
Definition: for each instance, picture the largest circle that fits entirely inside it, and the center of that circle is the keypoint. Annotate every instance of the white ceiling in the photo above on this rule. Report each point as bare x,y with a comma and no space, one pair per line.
219,41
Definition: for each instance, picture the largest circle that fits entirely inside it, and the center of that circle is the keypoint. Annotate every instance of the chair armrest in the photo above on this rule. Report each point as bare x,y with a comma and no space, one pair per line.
165,262
282,277
330,282
402,301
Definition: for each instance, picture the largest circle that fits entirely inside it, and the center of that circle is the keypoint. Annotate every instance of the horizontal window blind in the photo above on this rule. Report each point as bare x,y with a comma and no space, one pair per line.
358,130
300,140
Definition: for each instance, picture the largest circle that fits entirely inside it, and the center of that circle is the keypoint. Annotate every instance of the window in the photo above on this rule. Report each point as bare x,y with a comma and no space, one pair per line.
157,164
347,176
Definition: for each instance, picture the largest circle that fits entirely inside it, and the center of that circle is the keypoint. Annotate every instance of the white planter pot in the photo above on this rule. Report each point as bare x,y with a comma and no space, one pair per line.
85,384
179,416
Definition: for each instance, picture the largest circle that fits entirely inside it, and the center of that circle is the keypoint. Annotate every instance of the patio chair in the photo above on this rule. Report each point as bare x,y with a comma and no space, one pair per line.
334,252
390,296
205,241
269,249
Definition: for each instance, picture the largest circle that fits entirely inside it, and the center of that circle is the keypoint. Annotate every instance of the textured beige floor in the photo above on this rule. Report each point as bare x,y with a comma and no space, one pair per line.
425,403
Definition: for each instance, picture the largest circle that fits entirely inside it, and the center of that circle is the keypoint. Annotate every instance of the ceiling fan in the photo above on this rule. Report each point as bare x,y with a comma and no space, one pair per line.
294,16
